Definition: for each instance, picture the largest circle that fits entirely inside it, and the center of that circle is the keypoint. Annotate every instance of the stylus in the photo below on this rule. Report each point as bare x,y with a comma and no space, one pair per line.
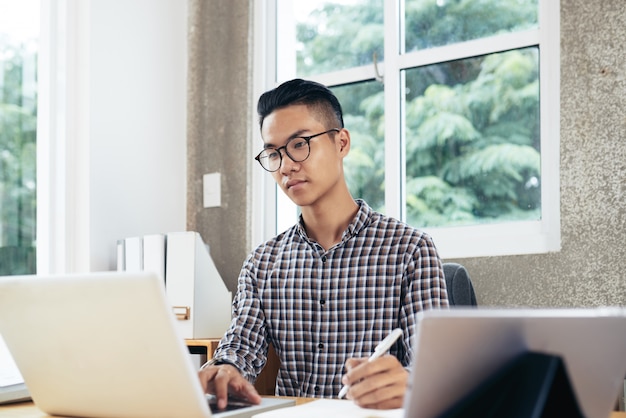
380,349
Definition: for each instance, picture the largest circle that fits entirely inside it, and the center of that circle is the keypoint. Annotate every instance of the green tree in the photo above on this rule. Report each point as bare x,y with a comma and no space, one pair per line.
363,106
479,137
338,36
471,126
18,125
431,23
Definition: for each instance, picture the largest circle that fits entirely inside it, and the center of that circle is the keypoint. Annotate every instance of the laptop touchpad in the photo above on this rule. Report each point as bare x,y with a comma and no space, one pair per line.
233,403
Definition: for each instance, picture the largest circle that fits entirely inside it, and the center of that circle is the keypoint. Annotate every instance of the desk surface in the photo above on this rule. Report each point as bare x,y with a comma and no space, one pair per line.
29,410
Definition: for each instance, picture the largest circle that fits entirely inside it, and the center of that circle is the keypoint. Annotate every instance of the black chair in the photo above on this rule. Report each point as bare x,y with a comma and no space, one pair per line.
460,289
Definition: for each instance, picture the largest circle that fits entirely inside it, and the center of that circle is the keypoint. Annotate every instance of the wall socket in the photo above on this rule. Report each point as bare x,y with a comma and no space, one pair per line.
212,190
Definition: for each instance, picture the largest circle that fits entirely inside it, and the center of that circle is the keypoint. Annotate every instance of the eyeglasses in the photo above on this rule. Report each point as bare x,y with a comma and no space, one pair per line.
298,149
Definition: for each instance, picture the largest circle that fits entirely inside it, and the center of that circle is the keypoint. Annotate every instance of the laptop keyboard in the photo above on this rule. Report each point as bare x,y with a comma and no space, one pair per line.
233,403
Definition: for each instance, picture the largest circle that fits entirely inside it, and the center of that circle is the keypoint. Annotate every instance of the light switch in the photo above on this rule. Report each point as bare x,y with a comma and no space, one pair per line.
212,190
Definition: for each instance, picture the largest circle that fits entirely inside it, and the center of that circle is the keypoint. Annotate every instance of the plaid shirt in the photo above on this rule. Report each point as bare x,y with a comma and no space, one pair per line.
319,308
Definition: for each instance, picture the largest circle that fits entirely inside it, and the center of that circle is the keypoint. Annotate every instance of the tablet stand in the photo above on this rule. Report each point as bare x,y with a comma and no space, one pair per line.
532,385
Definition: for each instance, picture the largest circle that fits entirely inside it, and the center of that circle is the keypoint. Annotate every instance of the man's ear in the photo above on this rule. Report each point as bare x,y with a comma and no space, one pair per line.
343,141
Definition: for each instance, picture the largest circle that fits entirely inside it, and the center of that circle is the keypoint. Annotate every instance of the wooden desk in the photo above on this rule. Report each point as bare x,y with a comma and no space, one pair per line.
29,410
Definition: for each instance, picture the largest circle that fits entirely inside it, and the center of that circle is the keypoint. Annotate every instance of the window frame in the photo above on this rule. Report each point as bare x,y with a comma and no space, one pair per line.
62,129
508,238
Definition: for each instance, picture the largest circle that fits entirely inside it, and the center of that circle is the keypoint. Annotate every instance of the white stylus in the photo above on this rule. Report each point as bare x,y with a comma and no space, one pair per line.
380,349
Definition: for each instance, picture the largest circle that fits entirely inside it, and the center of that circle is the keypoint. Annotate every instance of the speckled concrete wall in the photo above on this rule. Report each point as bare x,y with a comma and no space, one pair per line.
219,91
590,269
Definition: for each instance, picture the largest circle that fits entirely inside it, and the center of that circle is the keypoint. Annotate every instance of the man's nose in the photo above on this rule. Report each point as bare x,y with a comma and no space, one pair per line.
286,163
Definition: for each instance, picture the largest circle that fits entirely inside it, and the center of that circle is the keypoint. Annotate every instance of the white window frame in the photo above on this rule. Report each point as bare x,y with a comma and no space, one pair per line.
522,237
62,138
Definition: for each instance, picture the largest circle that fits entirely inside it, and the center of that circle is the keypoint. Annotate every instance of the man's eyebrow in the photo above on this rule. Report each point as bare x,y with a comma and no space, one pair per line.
296,134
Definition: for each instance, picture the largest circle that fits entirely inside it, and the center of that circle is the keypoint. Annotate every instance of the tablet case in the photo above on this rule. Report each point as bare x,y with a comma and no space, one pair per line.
533,385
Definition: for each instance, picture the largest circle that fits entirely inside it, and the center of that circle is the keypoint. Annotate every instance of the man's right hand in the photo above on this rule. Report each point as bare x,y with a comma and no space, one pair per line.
223,379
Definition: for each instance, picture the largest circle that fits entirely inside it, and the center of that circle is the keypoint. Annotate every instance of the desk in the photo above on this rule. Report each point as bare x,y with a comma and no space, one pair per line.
29,410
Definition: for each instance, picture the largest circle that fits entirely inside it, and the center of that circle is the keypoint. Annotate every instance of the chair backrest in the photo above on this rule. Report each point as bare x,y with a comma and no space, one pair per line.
460,289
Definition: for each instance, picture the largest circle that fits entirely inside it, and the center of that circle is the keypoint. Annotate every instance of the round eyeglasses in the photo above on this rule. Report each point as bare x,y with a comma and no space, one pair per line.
297,148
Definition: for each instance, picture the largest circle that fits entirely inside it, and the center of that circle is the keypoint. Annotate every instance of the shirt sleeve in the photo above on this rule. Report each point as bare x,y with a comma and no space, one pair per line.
424,288
429,275
245,344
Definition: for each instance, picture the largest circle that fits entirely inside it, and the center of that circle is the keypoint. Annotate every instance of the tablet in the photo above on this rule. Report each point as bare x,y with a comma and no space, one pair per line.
457,350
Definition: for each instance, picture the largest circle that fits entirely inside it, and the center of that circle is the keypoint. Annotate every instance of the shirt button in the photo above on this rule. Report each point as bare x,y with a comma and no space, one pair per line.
320,345
323,259
322,302
316,388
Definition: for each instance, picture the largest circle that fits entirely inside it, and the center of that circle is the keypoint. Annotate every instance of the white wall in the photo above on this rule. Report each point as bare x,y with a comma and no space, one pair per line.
137,122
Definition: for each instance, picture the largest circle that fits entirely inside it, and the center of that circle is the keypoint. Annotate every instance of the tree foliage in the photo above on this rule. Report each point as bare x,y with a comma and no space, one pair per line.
18,125
471,126
433,23
337,36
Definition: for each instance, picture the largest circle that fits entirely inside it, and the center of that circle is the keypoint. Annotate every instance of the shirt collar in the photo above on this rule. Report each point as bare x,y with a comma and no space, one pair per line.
358,223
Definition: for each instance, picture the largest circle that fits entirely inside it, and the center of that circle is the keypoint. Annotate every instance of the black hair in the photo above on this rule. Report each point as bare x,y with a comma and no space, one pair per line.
306,92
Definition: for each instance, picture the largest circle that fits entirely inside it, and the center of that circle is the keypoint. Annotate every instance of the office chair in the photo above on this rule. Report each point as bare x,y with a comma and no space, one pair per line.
460,289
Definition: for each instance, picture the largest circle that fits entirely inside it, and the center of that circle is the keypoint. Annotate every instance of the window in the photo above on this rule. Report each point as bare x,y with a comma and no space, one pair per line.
453,109
19,28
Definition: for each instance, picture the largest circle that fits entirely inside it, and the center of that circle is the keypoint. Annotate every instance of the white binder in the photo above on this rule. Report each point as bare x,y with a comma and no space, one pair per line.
133,254
194,287
154,254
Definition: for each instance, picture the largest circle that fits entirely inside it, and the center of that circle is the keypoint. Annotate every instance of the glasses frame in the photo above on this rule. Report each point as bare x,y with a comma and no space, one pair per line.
284,147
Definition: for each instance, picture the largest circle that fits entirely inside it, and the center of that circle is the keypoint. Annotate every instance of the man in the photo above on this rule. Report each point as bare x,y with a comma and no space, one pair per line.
325,292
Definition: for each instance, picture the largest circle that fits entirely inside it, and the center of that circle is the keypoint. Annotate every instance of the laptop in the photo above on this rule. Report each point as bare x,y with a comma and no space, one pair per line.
12,386
104,345
460,352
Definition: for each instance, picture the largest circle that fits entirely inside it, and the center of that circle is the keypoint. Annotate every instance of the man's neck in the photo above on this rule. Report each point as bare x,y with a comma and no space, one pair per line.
326,223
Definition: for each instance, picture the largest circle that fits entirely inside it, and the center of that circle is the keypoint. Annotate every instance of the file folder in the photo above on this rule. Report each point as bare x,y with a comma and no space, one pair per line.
194,288
154,254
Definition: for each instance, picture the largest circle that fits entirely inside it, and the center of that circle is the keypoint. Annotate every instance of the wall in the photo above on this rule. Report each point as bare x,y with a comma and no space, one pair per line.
218,131
137,121
587,271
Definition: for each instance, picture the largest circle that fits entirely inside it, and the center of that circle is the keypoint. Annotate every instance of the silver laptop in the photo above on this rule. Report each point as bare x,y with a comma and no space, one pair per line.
457,350
103,345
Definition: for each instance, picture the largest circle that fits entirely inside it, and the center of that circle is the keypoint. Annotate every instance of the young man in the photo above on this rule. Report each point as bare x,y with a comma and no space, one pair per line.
325,292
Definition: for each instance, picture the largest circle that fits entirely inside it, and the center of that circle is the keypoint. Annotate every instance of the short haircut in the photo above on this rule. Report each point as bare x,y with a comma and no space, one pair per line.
317,97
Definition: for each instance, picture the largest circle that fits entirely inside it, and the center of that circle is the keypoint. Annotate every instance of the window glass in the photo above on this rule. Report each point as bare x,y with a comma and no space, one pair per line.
330,35
363,108
431,23
19,26
452,107
472,140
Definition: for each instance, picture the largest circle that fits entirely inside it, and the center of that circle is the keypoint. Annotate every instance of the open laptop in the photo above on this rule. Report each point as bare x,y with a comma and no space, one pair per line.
458,350
104,345
12,386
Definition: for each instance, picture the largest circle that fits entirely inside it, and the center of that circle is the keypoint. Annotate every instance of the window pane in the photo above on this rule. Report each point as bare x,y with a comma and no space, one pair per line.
329,35
364,116
19,23
431,23
472,140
